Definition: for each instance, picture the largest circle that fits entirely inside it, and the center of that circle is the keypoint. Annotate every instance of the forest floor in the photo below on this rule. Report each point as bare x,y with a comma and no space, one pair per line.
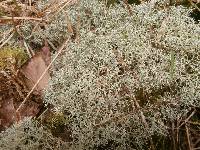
25,70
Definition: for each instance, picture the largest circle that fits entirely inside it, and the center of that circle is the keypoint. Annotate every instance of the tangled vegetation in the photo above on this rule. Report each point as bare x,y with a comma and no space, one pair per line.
129,78
9,56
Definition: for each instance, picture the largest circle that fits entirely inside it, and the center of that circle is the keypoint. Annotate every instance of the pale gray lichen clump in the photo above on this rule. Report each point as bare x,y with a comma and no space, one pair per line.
29,135
151,56
54,29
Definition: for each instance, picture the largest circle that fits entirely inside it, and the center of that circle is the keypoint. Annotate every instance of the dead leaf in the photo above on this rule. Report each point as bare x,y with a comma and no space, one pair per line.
7,110
35,67
15,85
33,70
7,113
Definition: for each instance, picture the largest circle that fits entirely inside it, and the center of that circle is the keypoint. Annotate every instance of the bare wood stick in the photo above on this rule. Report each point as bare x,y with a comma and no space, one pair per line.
7,40
188,138
21,18
194,123
43,113
6,34
29,51
195,5
186,120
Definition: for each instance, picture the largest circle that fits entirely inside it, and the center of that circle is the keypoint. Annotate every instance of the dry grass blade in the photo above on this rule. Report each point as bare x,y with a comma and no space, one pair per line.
42,114
52,45
193,4
7,40
186,120
194,123
6,34
21,18
29,51
59,51
30,2
197,142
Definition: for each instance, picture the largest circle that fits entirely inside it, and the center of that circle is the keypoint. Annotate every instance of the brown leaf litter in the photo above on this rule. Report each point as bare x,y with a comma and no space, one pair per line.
17,82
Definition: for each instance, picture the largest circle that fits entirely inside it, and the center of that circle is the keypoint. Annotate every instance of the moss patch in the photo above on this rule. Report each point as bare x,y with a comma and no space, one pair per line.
59,125
12,57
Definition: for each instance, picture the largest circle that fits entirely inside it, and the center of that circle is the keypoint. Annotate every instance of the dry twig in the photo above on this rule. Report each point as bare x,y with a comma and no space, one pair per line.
186,120
21,18
7,40
188,138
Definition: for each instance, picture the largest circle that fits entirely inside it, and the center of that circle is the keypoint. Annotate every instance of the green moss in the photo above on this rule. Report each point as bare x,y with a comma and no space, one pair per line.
59,125
12,56
56,120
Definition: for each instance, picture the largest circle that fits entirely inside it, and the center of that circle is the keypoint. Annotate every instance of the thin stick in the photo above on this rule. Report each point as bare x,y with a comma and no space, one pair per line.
30,53
6,34
21,18
195,5
194,123
7,40
59,51
43,113
30,2
186,120
188,138
197,142
51,44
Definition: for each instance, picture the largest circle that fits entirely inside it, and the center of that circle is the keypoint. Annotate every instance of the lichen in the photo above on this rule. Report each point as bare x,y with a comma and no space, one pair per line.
55,120
123,58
